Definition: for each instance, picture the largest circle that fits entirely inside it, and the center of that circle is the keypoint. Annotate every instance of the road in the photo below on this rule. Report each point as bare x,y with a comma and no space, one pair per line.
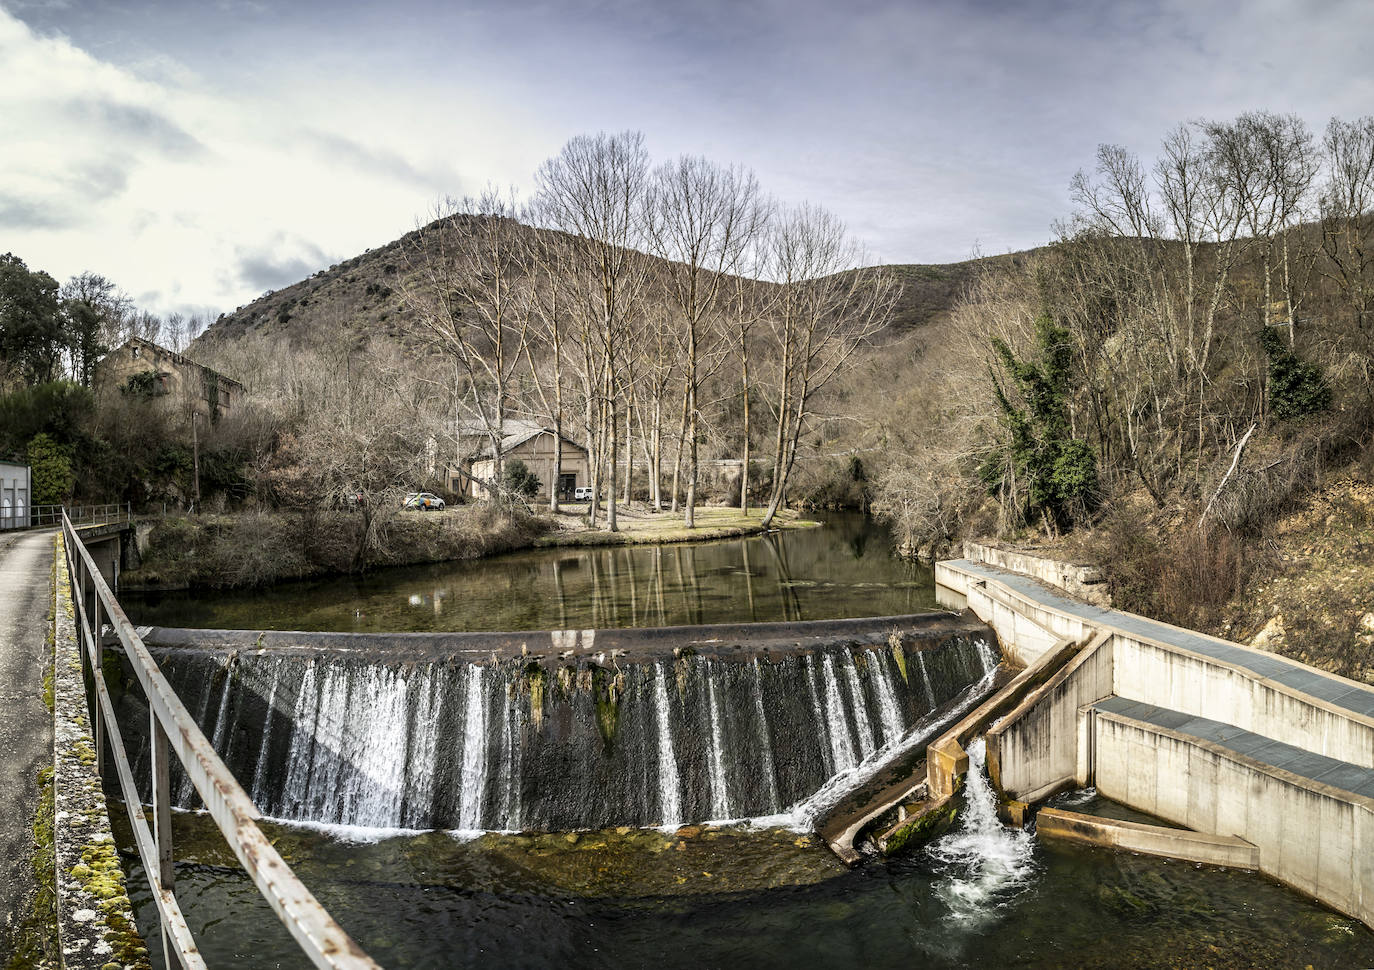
25,723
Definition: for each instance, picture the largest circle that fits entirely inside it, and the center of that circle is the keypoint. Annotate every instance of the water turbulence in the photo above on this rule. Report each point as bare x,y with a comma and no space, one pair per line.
985,862
391,735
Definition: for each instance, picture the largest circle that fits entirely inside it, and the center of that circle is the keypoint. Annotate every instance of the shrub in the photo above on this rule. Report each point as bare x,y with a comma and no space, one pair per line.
1297,387
519,480
53,477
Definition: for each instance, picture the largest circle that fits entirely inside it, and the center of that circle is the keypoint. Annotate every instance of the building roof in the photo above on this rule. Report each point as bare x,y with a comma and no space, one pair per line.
517,432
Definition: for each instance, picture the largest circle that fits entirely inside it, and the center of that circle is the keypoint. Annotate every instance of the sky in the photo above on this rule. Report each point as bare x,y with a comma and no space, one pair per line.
198,154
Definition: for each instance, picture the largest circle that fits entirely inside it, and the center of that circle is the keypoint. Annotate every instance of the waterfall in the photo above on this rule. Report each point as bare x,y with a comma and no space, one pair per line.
985,653
424,745
266,737
770,771
840,743
985,863
375,743
669,786
510,795
856,696
296,789
472,782
925,678
889,716
818,714
720,795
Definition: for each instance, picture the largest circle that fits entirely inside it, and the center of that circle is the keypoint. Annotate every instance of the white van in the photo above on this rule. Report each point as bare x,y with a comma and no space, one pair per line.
583,493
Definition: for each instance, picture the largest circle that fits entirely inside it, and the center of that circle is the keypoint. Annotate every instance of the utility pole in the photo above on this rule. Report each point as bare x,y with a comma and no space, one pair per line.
195,457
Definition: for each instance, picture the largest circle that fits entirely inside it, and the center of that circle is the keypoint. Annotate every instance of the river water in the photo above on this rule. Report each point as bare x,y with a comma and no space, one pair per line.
981,896
845,568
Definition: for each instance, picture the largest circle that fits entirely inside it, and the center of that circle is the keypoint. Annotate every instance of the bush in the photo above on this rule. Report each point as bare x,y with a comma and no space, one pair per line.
1297,387
519,480
53,477
1186,576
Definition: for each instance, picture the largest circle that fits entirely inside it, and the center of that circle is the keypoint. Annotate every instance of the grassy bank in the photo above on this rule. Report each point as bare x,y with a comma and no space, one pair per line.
260,548
639,525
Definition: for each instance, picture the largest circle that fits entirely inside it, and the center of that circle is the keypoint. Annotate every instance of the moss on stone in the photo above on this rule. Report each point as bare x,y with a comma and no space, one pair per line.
921,829
607,688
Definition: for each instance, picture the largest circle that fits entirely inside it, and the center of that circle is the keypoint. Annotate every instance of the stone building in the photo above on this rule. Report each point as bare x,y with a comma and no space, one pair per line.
530,442
154,370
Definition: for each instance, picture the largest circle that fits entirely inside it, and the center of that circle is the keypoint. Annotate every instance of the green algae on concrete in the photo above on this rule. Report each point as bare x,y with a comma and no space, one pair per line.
94,916
922,827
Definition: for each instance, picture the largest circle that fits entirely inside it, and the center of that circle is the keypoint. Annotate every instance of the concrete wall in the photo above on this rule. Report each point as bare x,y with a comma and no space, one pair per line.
95,919
1033,752
16,495
1025,629
1082,581
1317,839
1159,840
1169,676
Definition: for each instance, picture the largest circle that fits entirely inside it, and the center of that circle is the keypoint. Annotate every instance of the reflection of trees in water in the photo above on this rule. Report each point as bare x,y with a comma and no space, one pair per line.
841,569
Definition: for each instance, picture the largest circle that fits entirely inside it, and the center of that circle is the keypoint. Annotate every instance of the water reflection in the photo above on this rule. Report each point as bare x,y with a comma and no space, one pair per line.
845,568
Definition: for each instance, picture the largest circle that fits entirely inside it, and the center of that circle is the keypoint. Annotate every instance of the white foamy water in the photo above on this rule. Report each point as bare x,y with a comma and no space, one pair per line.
474,774
925,679
986,862
720,794
669,785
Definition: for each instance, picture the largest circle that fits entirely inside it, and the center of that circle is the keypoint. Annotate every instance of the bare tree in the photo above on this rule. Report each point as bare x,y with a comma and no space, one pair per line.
1347,208
826,309
593,190
468,291
702,220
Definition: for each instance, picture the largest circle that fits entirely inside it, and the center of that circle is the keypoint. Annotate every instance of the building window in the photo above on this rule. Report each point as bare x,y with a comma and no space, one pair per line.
133,352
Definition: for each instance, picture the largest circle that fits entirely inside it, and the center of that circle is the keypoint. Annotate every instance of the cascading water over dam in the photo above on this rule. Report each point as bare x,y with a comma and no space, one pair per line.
517,743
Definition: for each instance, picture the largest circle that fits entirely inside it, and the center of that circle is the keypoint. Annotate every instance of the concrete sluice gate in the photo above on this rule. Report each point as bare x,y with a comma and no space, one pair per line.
563,730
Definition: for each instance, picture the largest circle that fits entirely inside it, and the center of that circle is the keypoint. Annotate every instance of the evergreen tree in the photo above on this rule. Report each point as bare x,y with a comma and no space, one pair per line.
1039,468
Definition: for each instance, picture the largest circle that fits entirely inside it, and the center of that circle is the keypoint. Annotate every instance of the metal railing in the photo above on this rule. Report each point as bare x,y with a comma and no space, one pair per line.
173,730
39,516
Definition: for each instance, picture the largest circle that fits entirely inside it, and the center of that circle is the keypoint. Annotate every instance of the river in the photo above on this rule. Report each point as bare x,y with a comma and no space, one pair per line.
707,897
845,568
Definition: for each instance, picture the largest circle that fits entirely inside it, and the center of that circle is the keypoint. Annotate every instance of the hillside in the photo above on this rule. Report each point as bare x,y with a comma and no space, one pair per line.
363,293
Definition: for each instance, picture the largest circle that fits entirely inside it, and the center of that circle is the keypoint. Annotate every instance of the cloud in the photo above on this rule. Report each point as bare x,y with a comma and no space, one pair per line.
279,263
334,148
136,125
31,214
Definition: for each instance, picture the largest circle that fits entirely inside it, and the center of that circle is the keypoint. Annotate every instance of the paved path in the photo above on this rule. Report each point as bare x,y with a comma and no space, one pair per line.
25,724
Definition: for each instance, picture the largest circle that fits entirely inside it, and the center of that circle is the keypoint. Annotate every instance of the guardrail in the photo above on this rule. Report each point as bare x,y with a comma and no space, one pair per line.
173,730
39,516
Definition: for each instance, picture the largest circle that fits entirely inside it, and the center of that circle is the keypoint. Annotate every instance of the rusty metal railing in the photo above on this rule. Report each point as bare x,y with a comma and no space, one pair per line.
174,731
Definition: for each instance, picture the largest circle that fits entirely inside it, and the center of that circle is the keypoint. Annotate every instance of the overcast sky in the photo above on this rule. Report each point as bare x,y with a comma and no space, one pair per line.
200,153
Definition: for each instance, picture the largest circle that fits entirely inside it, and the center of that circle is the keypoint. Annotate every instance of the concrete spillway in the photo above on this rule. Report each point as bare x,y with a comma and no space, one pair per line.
552,731
1208,734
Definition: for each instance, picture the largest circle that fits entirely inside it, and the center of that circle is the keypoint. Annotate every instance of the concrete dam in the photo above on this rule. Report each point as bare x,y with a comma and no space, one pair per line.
1266,763
571,729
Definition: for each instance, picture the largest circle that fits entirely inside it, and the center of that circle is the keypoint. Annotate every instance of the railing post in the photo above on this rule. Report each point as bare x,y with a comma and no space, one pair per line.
98,663
162,822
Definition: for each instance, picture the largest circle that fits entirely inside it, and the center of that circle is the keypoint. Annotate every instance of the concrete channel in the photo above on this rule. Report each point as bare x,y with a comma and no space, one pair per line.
1268,763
